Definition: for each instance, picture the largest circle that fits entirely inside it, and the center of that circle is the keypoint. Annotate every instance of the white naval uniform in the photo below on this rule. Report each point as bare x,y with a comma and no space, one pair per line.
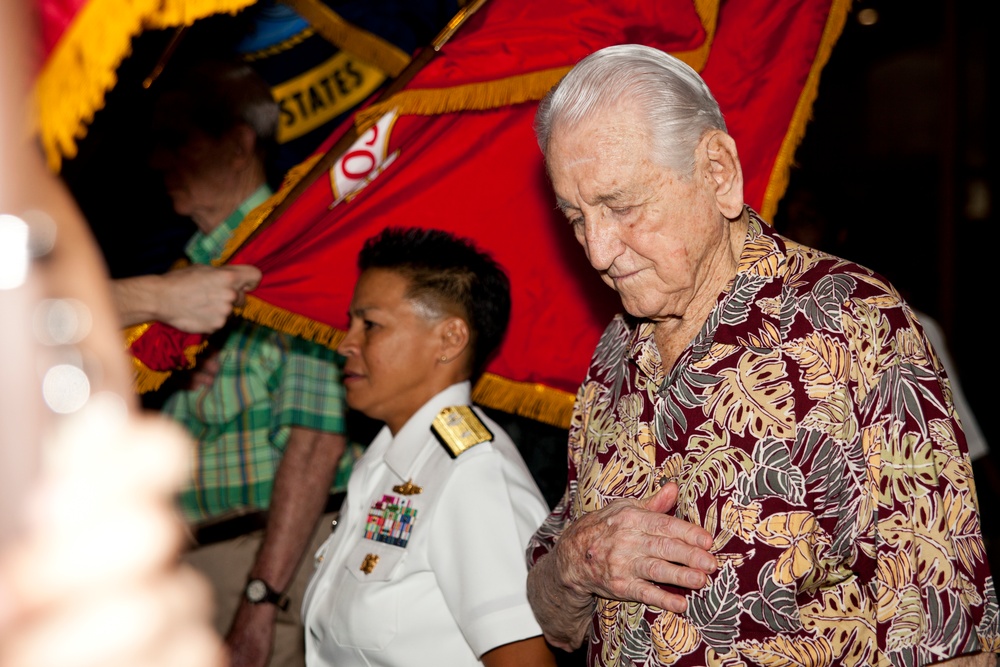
457,588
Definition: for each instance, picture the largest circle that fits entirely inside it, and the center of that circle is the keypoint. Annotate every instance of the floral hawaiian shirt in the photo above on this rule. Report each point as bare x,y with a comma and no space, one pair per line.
811,431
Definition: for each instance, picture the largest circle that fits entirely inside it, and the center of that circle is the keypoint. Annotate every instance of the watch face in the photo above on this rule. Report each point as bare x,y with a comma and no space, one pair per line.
256,590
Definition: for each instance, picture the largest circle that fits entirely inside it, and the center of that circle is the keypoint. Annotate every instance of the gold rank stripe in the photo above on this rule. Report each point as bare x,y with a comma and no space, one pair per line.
459,429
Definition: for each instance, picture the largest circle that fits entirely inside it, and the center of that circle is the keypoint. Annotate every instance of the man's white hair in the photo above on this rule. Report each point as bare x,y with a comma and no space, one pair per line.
675,102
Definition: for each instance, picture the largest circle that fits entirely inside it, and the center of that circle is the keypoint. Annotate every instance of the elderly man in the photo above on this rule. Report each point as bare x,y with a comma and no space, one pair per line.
765,464
269,424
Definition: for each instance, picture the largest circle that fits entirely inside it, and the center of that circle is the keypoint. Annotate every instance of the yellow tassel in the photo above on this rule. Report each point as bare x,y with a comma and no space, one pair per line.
468,97
81,68
145,379
290,323
708,12
780,174
527,399
369,47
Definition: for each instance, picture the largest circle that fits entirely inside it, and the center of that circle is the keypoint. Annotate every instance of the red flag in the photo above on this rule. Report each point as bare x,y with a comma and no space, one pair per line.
83,42
461,156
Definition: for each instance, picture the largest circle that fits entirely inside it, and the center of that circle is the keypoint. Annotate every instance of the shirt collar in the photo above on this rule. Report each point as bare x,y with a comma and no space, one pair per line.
204,248
411,439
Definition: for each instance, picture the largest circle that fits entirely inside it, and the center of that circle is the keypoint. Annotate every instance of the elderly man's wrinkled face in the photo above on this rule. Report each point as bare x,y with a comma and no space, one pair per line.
656,236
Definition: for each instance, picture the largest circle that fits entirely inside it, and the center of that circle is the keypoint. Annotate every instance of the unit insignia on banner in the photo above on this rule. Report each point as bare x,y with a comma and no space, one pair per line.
363,161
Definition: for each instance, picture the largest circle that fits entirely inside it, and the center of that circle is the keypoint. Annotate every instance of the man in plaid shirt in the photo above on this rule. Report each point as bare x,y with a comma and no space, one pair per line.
269,420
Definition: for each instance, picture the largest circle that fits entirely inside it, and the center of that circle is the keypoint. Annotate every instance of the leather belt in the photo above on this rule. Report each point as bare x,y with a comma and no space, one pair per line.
231,527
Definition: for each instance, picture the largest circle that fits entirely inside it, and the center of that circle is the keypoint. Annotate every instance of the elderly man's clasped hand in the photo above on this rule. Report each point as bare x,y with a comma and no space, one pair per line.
622,552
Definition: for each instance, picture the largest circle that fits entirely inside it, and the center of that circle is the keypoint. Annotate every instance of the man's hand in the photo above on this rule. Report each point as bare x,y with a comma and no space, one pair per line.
195,299
620,552
251,636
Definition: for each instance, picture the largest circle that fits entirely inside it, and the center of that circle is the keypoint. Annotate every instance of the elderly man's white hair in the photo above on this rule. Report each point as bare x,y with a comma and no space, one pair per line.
675,102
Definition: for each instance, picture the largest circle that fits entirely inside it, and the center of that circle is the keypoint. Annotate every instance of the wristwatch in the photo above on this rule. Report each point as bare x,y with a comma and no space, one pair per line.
258,592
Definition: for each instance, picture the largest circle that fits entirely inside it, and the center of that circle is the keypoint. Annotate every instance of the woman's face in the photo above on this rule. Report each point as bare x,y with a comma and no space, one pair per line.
391,350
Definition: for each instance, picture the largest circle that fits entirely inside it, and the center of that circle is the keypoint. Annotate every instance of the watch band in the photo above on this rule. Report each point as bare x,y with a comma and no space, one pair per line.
258,591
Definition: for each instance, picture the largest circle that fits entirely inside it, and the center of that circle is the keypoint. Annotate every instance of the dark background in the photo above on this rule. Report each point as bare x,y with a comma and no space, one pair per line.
898,171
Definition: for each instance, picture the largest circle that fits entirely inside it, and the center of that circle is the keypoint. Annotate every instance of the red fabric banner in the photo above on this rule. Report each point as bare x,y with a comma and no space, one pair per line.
55,16
480,173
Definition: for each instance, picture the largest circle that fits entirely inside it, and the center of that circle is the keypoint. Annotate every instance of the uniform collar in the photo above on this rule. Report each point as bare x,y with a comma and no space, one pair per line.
204,248
411,439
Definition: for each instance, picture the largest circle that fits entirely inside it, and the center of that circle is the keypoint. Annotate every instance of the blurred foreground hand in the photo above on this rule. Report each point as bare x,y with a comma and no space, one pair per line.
93,580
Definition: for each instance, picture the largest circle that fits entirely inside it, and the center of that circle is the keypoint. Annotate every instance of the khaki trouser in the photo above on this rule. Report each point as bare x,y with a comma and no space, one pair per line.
226,565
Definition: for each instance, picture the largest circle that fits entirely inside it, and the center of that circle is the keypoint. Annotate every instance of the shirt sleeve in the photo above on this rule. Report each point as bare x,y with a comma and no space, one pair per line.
485,517
306,391
545,538
935,593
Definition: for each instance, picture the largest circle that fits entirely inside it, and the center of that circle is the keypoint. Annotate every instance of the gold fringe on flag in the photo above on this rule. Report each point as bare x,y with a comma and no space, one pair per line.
81,68
708,12
781,172
468,97
369,47
145,378
290,323
527,399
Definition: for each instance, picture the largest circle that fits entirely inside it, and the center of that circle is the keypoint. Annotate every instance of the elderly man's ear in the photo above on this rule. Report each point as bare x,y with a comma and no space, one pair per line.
724,171
243,146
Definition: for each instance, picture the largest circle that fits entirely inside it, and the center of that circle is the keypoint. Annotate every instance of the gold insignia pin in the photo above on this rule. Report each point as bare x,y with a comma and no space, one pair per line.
408,488
458,428
369,563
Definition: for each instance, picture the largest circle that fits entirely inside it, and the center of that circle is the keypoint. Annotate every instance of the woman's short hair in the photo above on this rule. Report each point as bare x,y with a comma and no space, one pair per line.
447,274
675,102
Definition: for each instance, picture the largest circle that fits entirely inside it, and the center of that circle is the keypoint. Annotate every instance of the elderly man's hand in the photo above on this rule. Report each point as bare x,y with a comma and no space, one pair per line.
196,299
620,552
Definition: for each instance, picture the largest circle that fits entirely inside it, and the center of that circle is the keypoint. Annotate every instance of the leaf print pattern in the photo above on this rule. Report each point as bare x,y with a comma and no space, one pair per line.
822,304
673,636
774,473
824,364
772,605
754,395
715,610
802,540
782,651
811,432
844,616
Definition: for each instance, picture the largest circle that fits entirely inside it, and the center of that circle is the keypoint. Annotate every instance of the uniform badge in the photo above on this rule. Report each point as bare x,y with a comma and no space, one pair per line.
390,520
369,563
408,488
458,428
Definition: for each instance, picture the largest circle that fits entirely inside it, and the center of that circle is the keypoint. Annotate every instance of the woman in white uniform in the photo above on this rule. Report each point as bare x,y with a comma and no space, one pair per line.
426,565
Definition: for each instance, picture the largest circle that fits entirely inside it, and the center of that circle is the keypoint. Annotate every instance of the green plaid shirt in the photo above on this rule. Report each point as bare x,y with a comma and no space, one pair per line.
268,382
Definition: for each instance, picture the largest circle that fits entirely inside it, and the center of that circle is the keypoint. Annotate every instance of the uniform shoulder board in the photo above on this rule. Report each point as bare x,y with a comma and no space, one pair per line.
458,428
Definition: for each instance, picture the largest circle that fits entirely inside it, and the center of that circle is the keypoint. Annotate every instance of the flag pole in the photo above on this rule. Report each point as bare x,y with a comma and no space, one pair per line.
325,163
